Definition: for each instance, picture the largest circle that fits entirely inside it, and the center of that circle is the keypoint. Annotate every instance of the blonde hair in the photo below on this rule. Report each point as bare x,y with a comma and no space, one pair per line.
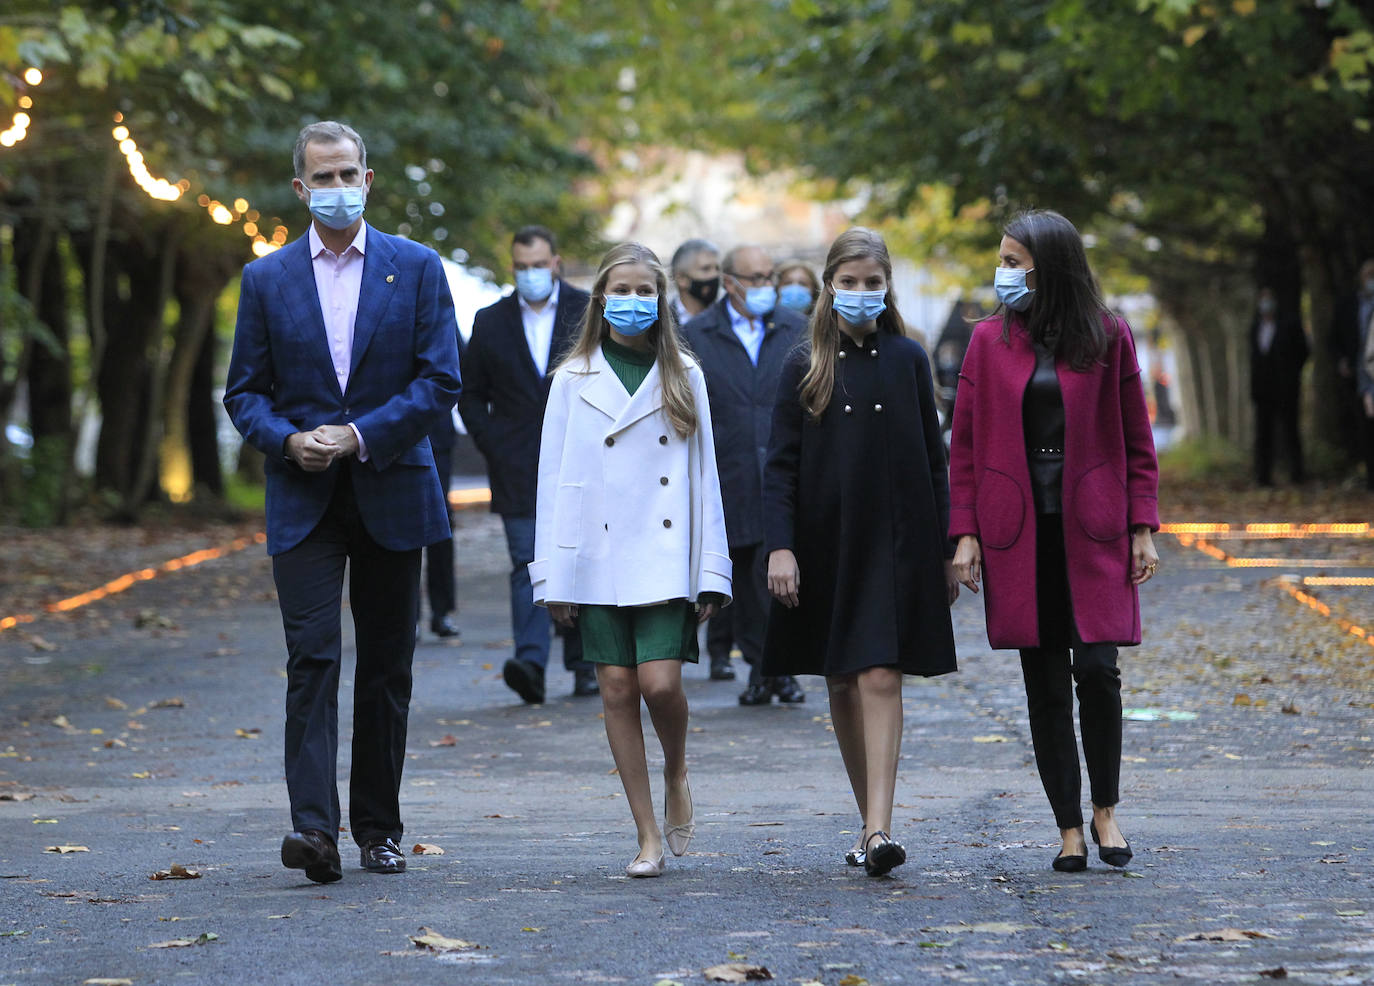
853,244
678,402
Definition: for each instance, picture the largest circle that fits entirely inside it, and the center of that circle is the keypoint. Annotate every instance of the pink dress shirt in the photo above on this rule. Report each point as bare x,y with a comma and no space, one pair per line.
338,282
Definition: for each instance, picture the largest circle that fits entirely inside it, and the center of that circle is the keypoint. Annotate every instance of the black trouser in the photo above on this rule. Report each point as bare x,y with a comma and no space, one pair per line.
1281,417
439,556
1050,678
384,593
720,635
750,604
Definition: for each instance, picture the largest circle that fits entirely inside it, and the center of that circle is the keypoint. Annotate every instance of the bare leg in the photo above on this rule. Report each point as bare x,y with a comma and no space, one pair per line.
848,723
1073,844
660,682
880,699
1107,829
620,700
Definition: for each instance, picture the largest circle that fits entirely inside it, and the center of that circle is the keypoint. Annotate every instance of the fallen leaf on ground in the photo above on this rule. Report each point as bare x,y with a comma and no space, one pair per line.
1349,914
1292,710
38,643
1279,973
531,929
177,872
1241,699
63,850
990,739
986,927
429,939
168,703
253,733
61,722
426,849
16,796
45,821
736,972
204,938
114,703
107,982
853,980
1224,934
763,825
447,740
499,815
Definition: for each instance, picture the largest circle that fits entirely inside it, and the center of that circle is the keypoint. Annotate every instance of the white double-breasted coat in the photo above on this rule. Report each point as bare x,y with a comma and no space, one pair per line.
628,513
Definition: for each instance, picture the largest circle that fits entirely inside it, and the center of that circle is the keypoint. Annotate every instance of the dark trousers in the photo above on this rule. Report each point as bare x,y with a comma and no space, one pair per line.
749,605
384,595
1277,419
720,635
531,625
1050,675
1367,445
443,598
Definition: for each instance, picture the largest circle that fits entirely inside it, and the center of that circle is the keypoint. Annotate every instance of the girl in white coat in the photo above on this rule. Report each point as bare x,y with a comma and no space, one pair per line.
629,531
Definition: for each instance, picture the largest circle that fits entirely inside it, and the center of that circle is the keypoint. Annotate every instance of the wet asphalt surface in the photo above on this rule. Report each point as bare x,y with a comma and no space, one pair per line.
150,734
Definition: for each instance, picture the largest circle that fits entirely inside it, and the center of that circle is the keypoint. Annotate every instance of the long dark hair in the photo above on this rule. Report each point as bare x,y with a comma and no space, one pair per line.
856,243
1067,314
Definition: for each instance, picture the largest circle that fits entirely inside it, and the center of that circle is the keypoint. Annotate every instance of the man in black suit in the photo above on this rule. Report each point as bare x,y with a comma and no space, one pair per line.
741,341
1278,349
439,585
515,346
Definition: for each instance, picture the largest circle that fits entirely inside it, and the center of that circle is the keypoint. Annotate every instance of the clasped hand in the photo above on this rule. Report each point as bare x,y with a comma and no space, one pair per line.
314,450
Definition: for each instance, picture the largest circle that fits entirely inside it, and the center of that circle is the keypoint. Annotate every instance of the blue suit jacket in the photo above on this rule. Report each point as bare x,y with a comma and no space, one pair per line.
402,382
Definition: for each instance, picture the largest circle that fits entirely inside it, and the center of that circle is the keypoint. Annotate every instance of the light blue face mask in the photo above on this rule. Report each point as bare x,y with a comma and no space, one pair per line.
1010,283
534,283
761,301
859,307
631,314
338,208
795,296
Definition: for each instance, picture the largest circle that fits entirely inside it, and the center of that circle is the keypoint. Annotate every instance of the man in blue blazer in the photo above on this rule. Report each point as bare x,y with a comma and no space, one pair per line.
741,342
508,364
345,356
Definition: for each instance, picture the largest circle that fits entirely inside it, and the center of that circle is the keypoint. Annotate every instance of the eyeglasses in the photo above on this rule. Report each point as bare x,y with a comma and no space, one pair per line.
754,280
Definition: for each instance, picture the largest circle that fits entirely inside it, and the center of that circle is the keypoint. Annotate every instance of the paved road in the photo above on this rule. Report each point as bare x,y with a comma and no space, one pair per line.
1243,816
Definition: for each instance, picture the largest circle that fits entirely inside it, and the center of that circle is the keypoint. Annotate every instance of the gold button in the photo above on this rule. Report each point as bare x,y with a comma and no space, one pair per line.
878,408
848,409
390,278
667,522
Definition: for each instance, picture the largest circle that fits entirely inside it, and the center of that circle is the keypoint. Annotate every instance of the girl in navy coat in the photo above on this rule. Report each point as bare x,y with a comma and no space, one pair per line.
856,505
629,530
1054,487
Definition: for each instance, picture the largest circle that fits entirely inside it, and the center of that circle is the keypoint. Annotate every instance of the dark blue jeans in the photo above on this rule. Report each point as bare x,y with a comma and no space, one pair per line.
531,624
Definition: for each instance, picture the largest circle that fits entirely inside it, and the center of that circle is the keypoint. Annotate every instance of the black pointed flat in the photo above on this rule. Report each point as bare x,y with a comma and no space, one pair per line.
1111,855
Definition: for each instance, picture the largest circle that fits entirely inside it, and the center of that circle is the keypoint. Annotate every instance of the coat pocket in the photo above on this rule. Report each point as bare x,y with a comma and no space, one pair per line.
1001,509
1099,504
567,515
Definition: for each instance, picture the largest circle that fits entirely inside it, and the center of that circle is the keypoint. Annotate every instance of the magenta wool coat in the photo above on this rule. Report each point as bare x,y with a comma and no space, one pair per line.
1111,483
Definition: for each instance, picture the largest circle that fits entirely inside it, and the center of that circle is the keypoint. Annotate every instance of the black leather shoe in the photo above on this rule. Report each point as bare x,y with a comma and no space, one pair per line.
1070,864
314,852
788,690
1111,855
525,679
760,693
721,670
383,856
442,626
584,684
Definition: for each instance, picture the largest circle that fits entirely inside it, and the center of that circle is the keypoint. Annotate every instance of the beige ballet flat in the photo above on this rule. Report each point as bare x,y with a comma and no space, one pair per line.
646,867
679,837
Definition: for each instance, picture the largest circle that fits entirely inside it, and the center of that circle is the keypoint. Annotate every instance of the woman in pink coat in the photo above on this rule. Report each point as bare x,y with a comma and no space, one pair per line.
1053,490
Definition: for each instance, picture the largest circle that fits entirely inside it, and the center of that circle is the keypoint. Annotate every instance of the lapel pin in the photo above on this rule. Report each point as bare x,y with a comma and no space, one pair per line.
390,278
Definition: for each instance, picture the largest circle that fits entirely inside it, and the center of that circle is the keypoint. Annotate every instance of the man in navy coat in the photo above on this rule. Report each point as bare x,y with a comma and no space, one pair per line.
741,341
345,356
515,346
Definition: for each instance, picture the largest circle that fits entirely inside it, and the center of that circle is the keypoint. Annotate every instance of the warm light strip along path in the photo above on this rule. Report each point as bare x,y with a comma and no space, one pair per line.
458,499
1186,534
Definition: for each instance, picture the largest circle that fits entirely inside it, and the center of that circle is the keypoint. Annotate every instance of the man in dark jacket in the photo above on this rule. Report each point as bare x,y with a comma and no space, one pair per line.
516,345
439,584
741,341
1278,350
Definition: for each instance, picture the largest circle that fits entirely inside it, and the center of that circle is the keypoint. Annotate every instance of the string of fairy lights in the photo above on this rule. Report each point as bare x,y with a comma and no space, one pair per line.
155,187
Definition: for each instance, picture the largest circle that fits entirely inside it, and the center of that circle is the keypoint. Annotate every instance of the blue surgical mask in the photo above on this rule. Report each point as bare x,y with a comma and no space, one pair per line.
534,283
1010,283
761,301
338,208
631,314
860,307
795,296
